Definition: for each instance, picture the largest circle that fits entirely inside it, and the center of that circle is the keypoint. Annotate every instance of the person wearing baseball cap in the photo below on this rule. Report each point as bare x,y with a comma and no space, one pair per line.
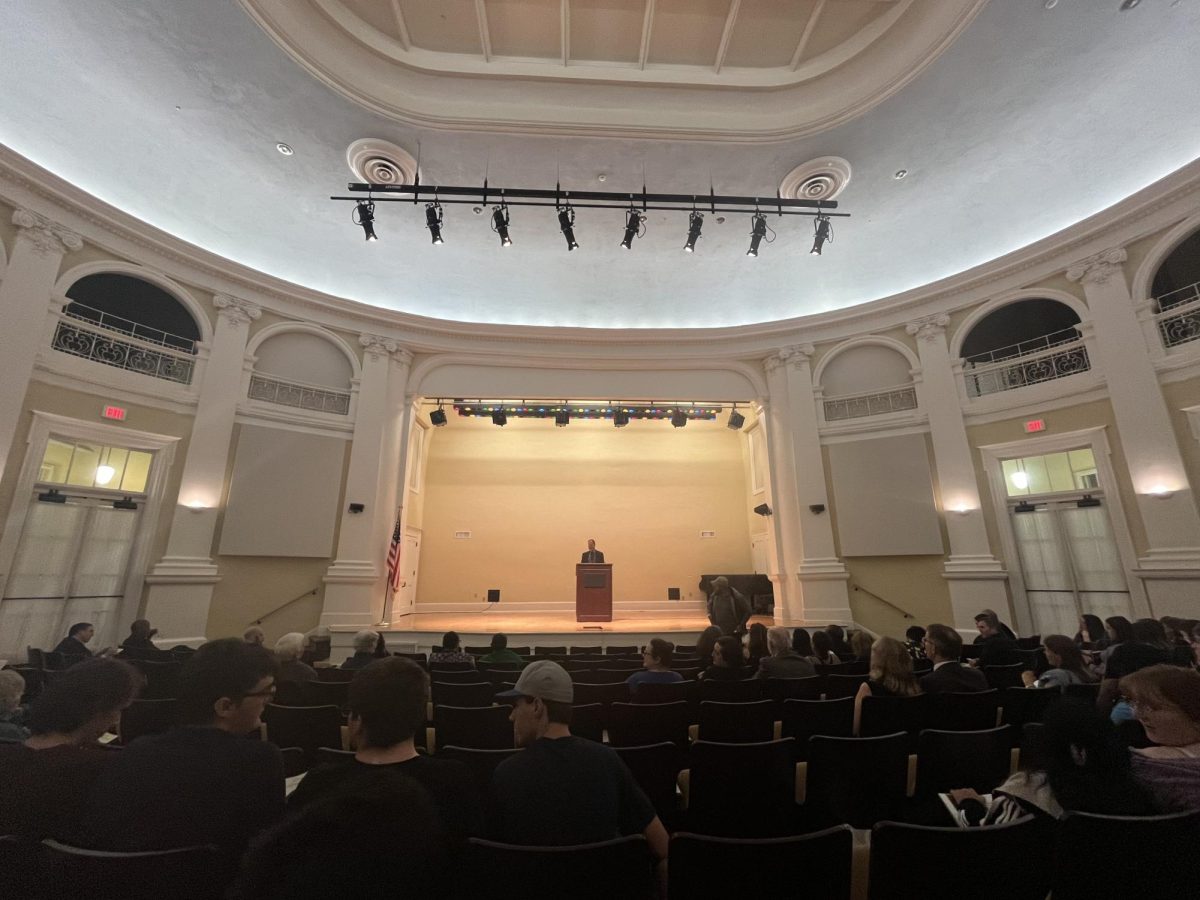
563,790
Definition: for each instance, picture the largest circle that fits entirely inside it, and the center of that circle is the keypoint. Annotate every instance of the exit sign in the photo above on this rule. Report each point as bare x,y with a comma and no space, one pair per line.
114,412
1035,425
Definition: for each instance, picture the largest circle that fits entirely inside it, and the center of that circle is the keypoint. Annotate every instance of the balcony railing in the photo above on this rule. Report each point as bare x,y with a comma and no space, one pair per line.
1179,318
1046,358
91,334
871,403
311,397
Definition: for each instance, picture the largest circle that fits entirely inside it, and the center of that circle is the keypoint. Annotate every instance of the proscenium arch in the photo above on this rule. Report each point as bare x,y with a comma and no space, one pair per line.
914,363
984,310
119,267
1143,279
306,328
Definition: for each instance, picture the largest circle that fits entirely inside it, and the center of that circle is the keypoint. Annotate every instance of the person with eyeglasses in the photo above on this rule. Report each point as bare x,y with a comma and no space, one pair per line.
206,781
1166,700
943,645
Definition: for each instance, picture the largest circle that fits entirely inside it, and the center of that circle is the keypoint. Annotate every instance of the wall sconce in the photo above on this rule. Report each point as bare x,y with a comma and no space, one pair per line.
961,510
1161,492
196,506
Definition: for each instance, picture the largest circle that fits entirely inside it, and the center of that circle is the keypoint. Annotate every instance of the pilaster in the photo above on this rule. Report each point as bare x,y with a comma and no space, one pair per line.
789,605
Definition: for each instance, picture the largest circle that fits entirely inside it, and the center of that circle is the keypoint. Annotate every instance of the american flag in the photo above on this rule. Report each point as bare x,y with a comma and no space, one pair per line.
393,557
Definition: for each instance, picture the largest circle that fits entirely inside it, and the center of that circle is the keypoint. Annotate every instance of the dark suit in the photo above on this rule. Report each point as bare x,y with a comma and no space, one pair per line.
729,612
70,646
592,556
954,677
788,664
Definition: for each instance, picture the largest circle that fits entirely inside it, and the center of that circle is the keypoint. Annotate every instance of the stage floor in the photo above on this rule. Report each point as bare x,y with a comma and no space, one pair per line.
541,623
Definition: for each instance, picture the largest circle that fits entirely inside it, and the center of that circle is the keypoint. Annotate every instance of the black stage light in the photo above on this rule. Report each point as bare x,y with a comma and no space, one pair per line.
562,418
679,418
620,418
500,224
433,221
634,223
736,420
695,223
758,231
438,417
823,232
125,503
566,224
51,496
365,218
499,418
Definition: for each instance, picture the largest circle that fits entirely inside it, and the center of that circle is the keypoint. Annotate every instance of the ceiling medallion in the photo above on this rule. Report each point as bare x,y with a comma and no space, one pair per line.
377,161
818,179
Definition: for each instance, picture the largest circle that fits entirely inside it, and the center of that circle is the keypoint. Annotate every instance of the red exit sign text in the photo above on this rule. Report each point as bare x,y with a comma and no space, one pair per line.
1035,425
114,412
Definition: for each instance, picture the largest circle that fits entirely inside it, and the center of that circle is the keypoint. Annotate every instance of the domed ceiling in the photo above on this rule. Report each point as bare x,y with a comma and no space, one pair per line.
1010,120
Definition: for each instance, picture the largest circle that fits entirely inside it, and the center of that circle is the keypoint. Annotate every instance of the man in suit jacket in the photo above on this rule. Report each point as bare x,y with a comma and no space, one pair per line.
943,645
592,555
75,643
727,609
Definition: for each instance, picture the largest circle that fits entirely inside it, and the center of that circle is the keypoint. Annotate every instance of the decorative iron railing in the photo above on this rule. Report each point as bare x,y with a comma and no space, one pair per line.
128,327
871,403
90,339
299,395
1047,358
1179,316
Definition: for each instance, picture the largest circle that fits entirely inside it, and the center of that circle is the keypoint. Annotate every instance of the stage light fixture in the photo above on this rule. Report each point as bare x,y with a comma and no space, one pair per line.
635,226
500,224
566,224
736,420
364,217
758,231
620,418
499,418
679,418
52,496
822,233
562,418
695,223
437,418
433,221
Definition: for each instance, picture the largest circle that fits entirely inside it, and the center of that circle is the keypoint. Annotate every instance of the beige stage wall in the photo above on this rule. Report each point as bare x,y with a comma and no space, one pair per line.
531,494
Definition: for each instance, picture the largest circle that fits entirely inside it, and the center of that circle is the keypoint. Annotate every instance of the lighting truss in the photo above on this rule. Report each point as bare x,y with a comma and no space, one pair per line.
620,413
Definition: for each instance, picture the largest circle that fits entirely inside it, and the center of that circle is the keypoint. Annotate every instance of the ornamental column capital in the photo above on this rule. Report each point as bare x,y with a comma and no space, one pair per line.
928,328
1099,267
45,235
235,310
377,345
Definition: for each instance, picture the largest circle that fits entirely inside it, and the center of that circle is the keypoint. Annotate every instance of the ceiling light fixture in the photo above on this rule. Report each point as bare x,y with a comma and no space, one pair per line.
281,147
900,173
822,233
635,227
758,231
566,224
500,224
364,216
104,474
1127,5
433,221
695,223
736,420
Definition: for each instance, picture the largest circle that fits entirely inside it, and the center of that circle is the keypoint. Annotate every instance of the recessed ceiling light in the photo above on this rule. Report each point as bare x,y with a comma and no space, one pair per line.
720,220
284,149
1127,5
602,177
1050,4
900,173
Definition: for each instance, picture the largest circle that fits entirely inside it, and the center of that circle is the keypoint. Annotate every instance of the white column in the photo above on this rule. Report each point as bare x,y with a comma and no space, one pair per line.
181,584
976,578
1165,499
789,603
24,304
356,582
823,577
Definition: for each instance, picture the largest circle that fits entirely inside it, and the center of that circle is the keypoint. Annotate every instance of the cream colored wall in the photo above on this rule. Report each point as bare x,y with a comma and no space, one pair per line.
532,494
251,586
1180,395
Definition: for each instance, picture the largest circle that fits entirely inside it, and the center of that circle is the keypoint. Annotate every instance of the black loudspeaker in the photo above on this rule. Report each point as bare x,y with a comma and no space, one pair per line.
493,595
672,593
762,509
437,417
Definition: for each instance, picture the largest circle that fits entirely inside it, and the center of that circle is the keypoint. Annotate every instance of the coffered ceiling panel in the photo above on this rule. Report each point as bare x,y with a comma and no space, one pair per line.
525,28
445,26
607,30
766,33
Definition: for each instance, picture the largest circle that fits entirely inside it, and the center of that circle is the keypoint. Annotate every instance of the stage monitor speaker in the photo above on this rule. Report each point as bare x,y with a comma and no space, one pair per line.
493,595
672,593
762,509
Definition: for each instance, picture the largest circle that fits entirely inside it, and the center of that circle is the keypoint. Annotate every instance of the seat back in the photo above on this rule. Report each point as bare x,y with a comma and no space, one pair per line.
1023,705
295,761
421,659
601,676
859,781
308,727
480,727
1086,692
326,693
327,755
550,651
664,693
604,694
742,790
963,759
801,719
838,686
622,867
35,657
144,717
35,680
466,675
1005,676
656,769
328,674
1142,856
707,866
638,724
482,763
629,649
162,678
780,689
745,691
451,666
590,650
477,693
1014,859
964,711
887,715
737,723
190,873
587,721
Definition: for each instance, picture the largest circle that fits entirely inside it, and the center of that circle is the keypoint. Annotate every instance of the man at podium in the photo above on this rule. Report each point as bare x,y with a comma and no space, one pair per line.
592,555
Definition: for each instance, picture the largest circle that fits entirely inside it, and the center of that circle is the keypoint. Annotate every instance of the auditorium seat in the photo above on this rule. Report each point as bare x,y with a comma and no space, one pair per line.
618,665
421,659
1033,642
809,865
308,727
737,723
605,694
963,759
602,676
520,651
802,719
500,676
687,673
1086,692
587,721
1023,705
626,649
964,711
1031,756
741,790
670,692
575,665
478,727
970,651
35,680
586,651
638,724
745,691
189,873
329,674
295,761
454,676
476,693
780,689
922,667
838,686
859,781
550,651
35,657
997,862
887,715
477,651
1005,676
325,756
685,649
656,768
162,678
144,717
446,666
482,764
325,693
622,867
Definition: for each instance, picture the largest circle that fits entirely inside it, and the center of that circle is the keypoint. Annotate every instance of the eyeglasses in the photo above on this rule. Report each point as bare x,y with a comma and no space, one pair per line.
268,693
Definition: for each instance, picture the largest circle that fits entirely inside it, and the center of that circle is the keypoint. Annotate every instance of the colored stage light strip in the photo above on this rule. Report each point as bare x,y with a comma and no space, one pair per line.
540,411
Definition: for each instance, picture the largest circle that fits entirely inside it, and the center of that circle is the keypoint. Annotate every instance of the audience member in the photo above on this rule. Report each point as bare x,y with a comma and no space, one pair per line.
756,645
381,650
822,645
44,782
318,644
500,653
802,644
140,643
288,650
254,635
656,666
1177,633
1194,640
860,645
706,642
451,651
728,610
996,647
1000,626
76,641
1087,769
204,782
12,714
1091,632
352,842
891,675
943,645
783,662
914,642
364,649
387,706
1067,665
837,636
563,789
1146,647
1166,700
1119,630
728,662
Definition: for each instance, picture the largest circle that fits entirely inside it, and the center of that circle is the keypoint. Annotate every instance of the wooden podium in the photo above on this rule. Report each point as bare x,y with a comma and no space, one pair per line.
593,592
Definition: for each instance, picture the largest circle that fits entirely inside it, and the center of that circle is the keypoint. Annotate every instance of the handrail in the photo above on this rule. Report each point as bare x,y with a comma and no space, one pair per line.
1166,301
1023,349
874,392
902,612
311,592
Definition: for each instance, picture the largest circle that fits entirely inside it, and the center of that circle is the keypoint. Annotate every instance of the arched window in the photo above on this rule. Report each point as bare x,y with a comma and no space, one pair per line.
1023,343
123,321
1176,291
303,370
866,380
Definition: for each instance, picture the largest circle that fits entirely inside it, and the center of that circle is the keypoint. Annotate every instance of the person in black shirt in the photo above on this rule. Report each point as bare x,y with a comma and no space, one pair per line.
364,650
140,643
996,647
943,645
728,662
1148,647
387,706
837,634
75,643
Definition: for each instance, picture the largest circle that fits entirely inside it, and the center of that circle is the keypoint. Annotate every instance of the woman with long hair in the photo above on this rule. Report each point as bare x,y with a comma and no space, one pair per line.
1067,665
891,675
708,640
728,662
822,645
756,645
802,645
1091,632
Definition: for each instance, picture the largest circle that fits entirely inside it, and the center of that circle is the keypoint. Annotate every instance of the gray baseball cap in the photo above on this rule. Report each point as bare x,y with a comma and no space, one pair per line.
545,680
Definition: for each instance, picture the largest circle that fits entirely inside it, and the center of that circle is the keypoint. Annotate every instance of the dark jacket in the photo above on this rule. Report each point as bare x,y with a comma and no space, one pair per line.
359,660
954,677
998,650
729,612
788,664
70,646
